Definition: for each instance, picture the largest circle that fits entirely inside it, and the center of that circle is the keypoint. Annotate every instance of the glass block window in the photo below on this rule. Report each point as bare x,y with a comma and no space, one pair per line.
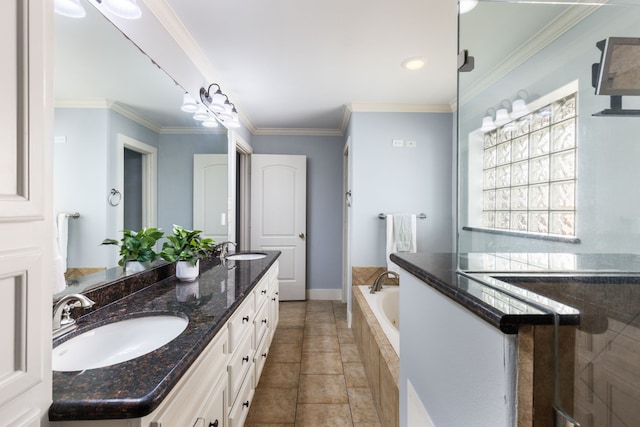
529,172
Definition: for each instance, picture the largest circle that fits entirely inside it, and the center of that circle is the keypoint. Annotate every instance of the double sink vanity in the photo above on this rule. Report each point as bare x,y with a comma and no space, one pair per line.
154,351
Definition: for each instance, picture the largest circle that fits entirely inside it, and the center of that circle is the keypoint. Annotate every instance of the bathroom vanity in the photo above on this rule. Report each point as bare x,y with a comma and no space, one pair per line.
204,377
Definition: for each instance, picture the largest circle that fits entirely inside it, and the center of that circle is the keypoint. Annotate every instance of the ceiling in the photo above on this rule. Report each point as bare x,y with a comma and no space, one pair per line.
299,64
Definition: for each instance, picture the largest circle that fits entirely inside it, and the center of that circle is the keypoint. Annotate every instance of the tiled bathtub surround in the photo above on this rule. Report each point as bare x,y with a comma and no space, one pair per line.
382,365
314,375
361,276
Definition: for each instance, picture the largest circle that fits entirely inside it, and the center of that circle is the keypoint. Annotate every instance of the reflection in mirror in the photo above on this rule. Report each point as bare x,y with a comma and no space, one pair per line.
555,178
123,150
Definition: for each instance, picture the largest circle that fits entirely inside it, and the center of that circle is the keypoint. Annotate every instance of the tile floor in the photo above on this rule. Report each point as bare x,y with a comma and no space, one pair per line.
313,376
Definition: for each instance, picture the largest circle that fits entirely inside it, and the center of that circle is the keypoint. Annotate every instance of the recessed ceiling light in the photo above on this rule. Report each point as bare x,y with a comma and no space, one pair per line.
414,63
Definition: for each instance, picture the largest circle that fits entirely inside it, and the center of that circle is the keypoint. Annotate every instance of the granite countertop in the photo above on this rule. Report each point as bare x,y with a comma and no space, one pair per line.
135,388
499,302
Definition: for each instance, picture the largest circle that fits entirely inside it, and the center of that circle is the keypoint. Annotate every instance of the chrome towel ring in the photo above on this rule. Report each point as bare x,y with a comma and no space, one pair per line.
115,197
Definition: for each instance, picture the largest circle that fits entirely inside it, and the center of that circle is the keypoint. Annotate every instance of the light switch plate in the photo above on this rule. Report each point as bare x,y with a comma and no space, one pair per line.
398,143
411,144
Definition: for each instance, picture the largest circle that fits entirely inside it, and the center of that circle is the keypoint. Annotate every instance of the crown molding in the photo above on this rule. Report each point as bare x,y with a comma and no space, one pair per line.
84,103
563,23
298,132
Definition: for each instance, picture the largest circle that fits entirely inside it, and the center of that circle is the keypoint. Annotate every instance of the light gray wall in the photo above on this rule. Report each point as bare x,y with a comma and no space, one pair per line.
324,201
608,151
175,175
80,182
387,179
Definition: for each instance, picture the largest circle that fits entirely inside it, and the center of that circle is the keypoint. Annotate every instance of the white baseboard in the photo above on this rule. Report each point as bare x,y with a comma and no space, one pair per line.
324,294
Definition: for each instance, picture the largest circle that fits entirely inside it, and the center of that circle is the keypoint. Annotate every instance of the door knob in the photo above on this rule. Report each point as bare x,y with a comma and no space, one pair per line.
301,235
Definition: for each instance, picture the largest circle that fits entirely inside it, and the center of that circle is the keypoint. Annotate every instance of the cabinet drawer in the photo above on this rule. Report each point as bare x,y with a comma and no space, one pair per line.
241,323
240,409
261,323
261,357
239,365
261,292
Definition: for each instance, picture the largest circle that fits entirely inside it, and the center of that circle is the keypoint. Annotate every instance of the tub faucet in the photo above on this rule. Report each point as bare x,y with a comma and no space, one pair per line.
62,321
377,284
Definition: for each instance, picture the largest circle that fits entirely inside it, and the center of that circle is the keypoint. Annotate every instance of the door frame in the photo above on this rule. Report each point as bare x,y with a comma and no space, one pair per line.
346,228
242,171
149,180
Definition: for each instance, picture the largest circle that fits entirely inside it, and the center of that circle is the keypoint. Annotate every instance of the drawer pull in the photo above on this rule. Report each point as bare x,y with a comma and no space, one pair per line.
245,404
245,319
264,320
264,355
245,359
214,424
264,291
273,299
277,293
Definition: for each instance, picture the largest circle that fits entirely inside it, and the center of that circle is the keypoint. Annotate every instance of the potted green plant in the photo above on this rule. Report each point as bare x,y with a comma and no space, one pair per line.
136,248
186,247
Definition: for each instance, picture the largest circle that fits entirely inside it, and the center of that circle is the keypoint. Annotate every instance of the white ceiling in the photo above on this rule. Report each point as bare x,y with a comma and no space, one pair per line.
298,64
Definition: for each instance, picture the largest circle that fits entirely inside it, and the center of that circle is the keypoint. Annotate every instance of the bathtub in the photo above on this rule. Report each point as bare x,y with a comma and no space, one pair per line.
385,305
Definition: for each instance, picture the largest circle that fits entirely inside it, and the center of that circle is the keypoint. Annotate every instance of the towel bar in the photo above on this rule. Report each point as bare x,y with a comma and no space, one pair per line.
419,216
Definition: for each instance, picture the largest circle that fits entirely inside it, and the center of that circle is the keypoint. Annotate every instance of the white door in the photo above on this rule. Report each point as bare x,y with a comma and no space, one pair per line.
26,211
210,175
279,216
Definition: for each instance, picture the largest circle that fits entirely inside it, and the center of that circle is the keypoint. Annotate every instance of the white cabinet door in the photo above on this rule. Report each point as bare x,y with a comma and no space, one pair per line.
279,216
26,210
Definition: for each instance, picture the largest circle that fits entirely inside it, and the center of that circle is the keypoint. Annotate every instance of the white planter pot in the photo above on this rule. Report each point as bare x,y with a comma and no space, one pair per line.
135,266
187,272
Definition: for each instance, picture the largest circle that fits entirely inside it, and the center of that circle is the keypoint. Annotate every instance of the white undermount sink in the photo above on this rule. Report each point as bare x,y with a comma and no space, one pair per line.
246,256
117,342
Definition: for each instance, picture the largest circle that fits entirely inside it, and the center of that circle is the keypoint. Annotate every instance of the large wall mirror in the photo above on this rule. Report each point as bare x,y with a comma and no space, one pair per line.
124,152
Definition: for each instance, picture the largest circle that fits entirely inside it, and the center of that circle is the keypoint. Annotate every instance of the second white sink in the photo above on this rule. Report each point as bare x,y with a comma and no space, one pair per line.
246,256
117,342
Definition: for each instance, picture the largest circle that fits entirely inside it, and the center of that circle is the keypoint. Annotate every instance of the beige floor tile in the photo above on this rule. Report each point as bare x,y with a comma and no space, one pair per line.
320,306
269,425
355,375
341,323
320,329
349,353
285,353
273,405
320,317
288,335
321,343
363,425
280,375
292,306
345,336
321,363
362,408
291,320
322,389
323,415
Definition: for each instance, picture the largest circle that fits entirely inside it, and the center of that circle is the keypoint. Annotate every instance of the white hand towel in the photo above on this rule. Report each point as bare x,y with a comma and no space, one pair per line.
59,283
401,236
62,222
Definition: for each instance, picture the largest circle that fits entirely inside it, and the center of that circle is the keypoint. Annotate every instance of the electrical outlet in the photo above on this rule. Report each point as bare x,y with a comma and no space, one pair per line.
397,143
411,144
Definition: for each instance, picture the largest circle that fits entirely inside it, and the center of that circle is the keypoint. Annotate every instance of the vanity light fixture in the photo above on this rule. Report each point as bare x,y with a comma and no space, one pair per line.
487,122
519,106
227,114
466,5
502,117
414,63
215,101
69,8
189,105
201,114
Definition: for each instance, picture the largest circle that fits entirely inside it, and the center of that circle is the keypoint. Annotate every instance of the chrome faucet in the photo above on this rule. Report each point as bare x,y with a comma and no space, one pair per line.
377,284
224,248
62,321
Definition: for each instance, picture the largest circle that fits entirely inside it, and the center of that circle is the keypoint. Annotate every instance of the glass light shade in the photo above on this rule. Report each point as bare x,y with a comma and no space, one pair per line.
189,105
210,122
127,9
227,113
502,116
201,114
519,109
69,8
467,5
487,124
217,102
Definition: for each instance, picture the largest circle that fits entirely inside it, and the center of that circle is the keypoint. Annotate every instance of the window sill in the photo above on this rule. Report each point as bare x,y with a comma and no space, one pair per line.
547,237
